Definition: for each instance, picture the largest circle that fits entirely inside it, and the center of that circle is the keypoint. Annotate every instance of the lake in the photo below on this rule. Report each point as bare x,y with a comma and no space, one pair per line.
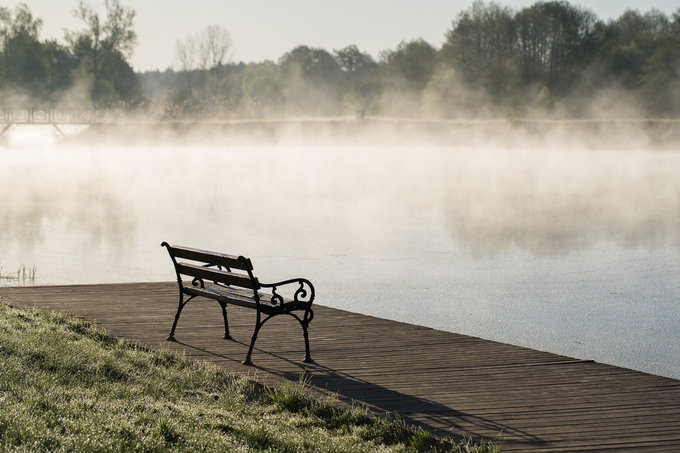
572,251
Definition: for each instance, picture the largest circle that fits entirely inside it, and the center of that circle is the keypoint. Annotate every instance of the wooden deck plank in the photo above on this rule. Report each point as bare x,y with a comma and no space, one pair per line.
449,383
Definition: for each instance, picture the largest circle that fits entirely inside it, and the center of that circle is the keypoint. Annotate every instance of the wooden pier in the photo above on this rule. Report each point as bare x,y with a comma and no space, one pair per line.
524,400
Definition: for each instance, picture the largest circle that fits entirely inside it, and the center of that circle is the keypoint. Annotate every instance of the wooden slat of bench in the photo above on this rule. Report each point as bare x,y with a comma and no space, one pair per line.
247,294
223,295
206,256
243,298
216,275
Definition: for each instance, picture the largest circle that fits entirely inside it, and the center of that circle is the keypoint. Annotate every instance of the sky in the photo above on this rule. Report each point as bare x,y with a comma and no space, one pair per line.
265,30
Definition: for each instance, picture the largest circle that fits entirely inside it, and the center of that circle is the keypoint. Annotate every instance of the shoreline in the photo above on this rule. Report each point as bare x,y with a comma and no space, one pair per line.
662,134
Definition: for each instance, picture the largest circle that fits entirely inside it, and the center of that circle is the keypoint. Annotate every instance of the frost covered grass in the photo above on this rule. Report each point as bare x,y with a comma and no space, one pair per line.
67,386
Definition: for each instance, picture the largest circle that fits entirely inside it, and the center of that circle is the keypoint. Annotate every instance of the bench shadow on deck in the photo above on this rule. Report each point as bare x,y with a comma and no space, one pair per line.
447,383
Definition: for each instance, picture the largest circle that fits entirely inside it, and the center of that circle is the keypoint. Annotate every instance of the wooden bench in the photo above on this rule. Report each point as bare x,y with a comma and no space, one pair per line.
229,279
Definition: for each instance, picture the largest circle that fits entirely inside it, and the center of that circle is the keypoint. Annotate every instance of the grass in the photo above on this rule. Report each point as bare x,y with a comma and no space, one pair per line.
67,386
25,275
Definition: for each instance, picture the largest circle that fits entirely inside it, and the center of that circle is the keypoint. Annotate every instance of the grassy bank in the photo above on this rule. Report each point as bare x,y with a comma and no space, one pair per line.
66,386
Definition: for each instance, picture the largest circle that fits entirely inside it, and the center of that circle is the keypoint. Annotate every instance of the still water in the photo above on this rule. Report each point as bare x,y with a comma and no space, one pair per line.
575,252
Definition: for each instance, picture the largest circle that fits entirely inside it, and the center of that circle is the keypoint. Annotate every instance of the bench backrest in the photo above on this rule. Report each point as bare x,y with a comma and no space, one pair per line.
204,265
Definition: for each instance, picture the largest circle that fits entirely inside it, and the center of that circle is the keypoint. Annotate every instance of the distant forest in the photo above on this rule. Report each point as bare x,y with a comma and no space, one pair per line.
551,59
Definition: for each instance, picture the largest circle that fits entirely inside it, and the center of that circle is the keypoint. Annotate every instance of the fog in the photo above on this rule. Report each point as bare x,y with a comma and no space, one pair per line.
572,247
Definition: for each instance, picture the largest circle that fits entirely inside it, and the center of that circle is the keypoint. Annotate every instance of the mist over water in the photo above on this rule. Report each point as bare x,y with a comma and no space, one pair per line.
570,250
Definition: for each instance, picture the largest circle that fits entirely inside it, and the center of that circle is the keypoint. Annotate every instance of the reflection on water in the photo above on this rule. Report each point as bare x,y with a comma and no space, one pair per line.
556,203
575,252
94,212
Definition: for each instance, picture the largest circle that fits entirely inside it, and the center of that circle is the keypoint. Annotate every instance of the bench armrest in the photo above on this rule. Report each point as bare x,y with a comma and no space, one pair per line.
304,294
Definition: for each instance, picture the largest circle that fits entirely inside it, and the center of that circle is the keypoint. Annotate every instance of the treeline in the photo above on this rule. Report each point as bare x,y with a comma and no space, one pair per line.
90,69
553,54
551,58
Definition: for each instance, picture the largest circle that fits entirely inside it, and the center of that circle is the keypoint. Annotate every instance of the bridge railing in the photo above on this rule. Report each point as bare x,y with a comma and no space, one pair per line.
46,115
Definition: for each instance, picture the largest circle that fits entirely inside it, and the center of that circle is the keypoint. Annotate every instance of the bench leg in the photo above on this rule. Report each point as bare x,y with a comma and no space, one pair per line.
303,322
226,323
308,358
182,303
247,361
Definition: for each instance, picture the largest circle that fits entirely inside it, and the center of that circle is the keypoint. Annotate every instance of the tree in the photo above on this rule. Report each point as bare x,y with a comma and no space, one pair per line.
62,64
404,73
503,83
554,42
313,64
359,78
187,57
207,51
262,88
631,40
660,79
411,64
103,45
482,36
310,81
353,61
214,43
25,65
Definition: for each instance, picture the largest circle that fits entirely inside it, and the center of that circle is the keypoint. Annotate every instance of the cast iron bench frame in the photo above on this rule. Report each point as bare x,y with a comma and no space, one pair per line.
213,277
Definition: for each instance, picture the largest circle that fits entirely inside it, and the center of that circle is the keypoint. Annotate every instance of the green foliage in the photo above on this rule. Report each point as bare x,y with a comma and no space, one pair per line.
310,81
353,61
36,71
292,397
447,96
544,100
102,48
504,84
359,79
404,74
564,48
24,61
411,65
483,35
262,89
67,386
660,79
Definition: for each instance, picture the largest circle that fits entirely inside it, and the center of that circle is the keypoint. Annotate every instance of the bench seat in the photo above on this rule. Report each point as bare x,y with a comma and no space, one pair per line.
244,298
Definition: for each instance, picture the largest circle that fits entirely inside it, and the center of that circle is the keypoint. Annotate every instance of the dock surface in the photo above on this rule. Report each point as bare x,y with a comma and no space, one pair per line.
522,399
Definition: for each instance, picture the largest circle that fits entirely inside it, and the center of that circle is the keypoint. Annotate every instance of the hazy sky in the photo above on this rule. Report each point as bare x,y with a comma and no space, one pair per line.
263,30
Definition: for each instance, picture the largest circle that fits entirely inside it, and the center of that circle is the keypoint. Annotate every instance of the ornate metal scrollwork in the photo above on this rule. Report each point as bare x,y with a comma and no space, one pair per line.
197,281
276,297
302,294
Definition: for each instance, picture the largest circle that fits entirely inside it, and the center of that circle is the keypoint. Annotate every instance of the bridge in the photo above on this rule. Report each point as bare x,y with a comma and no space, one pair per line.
46,115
